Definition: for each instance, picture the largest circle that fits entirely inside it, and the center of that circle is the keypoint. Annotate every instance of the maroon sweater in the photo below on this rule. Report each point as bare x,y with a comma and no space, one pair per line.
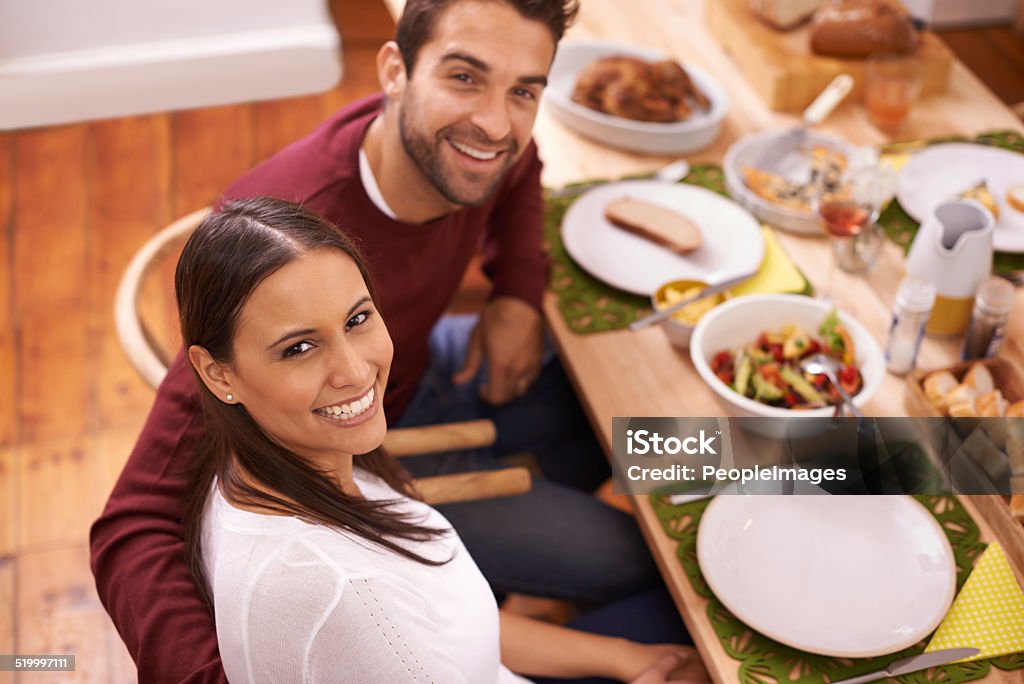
137,547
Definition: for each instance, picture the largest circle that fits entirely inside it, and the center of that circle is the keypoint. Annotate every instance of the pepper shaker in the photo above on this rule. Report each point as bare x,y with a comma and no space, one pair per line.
992,307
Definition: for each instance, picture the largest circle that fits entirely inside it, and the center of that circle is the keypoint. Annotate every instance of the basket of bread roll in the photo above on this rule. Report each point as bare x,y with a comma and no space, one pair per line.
990,388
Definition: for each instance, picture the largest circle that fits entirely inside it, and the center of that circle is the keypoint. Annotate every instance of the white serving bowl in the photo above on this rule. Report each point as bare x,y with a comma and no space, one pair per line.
746,152
695,133
739,321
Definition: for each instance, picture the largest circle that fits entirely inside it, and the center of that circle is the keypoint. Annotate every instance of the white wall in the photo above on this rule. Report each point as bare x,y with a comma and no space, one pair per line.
951,13
71,60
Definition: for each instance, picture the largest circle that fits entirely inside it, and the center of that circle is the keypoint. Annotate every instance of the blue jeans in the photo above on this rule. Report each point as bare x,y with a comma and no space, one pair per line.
557,540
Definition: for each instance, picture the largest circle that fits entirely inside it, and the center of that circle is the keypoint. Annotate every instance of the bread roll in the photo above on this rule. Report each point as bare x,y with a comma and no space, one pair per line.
991,405
858,28
964,408
979,379
660,225
1015,410
937,386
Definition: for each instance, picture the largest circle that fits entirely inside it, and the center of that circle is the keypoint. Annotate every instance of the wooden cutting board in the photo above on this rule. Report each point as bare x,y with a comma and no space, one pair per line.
783,70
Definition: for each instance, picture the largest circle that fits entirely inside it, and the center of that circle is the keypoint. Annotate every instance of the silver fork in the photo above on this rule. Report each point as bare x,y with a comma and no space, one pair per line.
670,173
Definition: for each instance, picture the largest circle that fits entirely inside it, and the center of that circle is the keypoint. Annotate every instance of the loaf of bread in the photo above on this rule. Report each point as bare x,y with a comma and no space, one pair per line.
858,28
660,225
783,14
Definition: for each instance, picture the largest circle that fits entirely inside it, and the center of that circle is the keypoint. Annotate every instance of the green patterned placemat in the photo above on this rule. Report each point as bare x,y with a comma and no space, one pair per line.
587,304
901,228
764,661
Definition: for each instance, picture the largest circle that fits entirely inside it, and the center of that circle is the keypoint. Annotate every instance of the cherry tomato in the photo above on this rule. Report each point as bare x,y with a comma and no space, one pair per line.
725,376
849,379
813,347
722,359
790,399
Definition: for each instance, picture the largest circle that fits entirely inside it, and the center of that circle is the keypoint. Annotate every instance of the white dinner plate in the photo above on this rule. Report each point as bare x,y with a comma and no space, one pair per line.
844,576
942,172
732,242
697,132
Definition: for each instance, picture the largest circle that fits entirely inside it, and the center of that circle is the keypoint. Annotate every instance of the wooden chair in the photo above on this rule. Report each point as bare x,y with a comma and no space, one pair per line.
150,356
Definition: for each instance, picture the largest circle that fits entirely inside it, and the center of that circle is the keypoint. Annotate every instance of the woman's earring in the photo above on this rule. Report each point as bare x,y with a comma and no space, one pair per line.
230,397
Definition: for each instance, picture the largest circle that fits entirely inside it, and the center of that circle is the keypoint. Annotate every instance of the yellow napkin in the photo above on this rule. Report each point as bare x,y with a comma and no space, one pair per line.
777,273
989,612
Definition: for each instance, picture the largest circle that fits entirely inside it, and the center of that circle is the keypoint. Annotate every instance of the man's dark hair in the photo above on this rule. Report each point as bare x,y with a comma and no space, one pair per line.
417,21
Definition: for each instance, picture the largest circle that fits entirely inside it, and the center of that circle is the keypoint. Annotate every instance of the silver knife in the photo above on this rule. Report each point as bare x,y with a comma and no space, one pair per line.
669,310
914,663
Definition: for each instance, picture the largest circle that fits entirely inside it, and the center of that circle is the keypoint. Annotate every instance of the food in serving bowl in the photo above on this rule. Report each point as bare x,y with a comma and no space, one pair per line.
633,88
768,370
826,170
695,132
739,321
659,224
746,153
679,326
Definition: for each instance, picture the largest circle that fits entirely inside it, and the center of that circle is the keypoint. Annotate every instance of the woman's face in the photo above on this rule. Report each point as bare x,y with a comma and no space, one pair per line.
312,357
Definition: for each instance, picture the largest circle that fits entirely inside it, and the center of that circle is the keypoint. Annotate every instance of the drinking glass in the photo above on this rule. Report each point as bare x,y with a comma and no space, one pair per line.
847,209
892,84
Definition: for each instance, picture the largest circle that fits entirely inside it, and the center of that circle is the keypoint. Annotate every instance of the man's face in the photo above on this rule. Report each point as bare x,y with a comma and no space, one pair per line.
468,108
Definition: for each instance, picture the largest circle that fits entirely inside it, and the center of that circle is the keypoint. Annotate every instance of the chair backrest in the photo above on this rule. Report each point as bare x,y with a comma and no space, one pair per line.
140,345
150,358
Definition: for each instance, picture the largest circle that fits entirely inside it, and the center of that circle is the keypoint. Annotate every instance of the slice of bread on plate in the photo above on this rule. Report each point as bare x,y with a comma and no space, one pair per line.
656,223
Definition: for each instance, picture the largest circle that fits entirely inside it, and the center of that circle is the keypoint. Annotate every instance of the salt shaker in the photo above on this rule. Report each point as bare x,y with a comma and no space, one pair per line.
992,307
914,301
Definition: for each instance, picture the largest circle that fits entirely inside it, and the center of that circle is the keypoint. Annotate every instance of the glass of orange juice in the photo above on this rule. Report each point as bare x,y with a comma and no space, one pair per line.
892,84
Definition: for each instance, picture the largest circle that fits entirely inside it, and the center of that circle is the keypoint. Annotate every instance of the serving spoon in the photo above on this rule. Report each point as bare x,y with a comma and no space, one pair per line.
822,364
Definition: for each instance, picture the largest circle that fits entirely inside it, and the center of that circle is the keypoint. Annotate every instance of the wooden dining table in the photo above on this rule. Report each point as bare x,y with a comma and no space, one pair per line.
623,373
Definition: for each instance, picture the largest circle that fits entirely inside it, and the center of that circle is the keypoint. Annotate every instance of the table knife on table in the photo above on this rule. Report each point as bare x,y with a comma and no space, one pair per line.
913,664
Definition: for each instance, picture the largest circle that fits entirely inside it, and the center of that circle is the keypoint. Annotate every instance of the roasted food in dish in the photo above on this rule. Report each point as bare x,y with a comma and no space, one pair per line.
827,167
631,88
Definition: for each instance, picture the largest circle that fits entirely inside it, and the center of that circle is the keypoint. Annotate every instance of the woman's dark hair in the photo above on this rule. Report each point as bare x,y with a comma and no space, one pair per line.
416,24
231,252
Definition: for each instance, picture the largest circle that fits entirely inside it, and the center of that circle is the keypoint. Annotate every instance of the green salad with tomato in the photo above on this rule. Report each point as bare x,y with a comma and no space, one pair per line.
768,370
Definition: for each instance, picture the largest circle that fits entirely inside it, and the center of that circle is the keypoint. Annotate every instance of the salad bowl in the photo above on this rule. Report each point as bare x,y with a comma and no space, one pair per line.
732,327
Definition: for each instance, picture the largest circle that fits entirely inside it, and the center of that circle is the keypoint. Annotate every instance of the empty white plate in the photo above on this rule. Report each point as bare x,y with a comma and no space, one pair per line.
732,242
846,576
942,172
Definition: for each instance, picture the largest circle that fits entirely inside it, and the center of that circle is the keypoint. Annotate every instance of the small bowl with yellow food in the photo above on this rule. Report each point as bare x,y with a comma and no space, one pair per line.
679,326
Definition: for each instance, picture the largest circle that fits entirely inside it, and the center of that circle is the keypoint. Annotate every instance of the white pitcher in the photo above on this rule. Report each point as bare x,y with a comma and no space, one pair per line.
953,250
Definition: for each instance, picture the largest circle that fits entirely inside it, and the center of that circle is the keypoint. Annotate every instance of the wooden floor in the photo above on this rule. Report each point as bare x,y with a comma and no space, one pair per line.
75,203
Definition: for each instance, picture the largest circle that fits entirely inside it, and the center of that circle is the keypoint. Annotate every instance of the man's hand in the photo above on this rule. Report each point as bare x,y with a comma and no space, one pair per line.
510,336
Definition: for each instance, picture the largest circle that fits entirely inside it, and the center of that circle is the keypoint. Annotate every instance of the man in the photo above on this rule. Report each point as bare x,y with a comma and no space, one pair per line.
420,177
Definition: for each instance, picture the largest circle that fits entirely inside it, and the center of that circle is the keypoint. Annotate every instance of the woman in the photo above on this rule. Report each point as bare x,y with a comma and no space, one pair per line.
322,566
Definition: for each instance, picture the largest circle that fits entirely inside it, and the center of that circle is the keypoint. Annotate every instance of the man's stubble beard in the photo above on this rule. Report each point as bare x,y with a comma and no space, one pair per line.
426,155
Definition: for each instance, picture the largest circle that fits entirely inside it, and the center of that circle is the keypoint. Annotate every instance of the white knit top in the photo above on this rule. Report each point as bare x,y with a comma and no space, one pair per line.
297,602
